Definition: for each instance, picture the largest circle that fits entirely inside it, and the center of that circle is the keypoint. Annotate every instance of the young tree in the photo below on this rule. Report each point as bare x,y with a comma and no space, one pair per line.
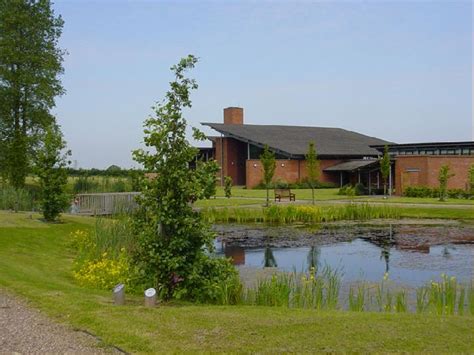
443,178
51,161
269,164
312,166
228,186
173,240
470,180
30,65
385,169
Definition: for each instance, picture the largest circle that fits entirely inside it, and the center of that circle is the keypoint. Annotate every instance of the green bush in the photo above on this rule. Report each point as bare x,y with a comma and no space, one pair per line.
428,192
282,184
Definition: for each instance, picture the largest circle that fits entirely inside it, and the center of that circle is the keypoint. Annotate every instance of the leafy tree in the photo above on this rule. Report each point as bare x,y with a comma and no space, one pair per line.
385,169
30,65
51,161
228,186
443,177
173,239
207,173
312,166
269,164
470,179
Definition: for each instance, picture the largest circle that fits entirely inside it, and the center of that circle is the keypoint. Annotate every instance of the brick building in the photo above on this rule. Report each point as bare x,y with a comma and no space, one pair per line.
345,156
418,164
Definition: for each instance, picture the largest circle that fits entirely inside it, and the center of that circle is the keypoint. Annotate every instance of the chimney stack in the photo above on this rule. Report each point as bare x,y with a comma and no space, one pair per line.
233,115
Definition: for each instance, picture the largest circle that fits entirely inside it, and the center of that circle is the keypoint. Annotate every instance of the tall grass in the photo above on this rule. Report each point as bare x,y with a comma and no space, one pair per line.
316,289
302,214
17,199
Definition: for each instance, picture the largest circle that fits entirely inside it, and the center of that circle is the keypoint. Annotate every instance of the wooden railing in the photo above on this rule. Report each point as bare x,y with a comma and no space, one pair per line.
104,203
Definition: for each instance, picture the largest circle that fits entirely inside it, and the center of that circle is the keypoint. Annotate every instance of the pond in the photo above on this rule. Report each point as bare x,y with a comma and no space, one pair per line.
411,254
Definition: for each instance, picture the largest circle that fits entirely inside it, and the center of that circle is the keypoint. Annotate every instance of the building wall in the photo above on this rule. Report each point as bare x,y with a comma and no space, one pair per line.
288,170
231,159
422,170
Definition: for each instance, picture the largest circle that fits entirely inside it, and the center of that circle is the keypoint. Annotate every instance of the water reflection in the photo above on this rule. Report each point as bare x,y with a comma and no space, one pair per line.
365,257
269,258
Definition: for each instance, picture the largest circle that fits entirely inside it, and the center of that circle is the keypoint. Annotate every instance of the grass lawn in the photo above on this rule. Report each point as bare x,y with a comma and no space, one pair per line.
301,194
418,200
229,202
35,262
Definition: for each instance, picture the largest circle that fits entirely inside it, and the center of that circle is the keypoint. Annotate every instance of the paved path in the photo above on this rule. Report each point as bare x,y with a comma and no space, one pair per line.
25,330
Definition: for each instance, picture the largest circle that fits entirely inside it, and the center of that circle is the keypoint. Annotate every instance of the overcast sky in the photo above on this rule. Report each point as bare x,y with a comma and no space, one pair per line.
400,71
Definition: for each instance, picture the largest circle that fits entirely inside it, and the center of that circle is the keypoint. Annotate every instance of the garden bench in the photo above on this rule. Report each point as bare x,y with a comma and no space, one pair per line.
284,193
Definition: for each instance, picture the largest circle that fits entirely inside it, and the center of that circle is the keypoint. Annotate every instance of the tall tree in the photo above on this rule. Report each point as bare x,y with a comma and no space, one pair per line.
385,169
312,167
30,65
173,239
269,164
50,163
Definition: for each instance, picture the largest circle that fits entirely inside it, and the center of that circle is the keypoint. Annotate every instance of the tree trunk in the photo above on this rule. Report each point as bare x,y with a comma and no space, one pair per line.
268,197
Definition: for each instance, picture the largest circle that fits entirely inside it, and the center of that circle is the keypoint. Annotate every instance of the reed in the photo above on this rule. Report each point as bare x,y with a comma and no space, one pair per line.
357,297
299,214
315,289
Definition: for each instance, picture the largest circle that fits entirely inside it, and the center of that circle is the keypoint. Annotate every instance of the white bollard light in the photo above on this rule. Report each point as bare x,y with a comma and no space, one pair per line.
119,294
150,297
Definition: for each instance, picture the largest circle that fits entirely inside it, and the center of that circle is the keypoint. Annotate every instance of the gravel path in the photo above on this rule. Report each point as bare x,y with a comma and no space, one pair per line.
25,330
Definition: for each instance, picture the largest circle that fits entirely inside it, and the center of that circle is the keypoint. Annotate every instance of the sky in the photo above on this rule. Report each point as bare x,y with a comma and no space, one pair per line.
400,71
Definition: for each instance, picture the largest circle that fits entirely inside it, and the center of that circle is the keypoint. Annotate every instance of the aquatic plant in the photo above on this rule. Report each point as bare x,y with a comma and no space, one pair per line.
299,214
357,297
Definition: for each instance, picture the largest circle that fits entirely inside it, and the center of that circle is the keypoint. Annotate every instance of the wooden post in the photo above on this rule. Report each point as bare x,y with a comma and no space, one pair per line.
150,298
119,294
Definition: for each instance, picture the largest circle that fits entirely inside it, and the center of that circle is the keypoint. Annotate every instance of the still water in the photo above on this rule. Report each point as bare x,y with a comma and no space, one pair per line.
362,259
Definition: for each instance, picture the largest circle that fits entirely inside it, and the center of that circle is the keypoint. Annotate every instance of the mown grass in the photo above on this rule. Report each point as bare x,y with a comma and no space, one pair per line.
417,200
219,202
36,262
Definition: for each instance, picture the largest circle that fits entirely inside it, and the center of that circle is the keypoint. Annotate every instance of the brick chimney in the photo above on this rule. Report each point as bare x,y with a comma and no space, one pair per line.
233,115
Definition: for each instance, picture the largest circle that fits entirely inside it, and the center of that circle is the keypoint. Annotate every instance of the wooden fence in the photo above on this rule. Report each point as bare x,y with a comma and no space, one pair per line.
104,203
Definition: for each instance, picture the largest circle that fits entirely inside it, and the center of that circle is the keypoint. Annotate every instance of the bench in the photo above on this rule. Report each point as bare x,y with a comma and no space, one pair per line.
284,193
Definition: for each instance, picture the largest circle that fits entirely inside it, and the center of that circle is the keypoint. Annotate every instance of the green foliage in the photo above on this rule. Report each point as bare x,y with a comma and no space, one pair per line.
300,213
347,190
173,240
443,178
269,165
49,167
312,167
17,199
103,255
228,186
428,192
470,180
30,65
206,173
385,169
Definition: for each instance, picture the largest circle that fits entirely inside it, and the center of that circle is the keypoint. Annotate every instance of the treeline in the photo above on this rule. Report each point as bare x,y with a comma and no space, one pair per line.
112,170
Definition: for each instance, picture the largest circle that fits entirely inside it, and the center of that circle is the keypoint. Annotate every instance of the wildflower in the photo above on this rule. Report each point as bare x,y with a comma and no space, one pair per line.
385,276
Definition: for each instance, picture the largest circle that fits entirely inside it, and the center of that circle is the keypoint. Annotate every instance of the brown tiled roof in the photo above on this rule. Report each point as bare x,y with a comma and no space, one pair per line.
293,140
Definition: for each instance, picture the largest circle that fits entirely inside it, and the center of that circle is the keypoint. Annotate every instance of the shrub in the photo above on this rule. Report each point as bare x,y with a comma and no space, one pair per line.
104,272
102,255
228,186
427,192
